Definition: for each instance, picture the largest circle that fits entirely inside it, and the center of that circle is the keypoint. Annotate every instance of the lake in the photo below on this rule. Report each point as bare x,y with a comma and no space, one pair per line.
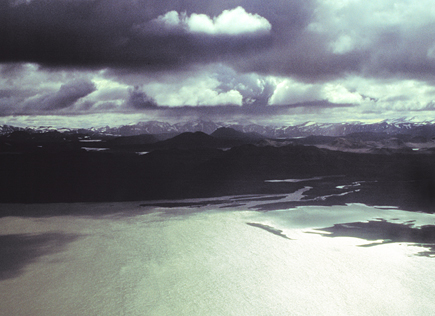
221,256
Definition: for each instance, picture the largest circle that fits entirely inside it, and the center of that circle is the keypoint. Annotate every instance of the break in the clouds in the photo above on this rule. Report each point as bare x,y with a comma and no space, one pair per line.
321,57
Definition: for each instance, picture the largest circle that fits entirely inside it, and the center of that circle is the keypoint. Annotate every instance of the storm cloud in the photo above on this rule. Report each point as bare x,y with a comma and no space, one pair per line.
308,39
140,100
91,56
123,34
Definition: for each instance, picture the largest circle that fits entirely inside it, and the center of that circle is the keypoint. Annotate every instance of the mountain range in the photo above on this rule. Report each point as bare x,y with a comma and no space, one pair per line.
425,129
369,164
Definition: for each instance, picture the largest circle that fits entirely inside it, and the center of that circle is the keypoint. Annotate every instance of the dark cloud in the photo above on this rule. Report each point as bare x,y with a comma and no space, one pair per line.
6,93
86,106
138,99
227,111
65,97
105,107
232,113
11,69
429,107
402,54
68,94
300,50
11,99
107,34
121,34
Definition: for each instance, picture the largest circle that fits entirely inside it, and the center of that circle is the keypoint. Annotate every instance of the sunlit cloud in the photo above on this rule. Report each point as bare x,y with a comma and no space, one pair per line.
230,22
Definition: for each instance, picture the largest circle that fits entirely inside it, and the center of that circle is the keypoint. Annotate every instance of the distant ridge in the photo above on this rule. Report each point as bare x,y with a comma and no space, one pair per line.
423,129
190,140
46,165
227,132
231,133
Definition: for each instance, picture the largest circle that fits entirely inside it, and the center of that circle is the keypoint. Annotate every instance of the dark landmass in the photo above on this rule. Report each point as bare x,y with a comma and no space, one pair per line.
371,168
269,229
387,232
183,204
413,194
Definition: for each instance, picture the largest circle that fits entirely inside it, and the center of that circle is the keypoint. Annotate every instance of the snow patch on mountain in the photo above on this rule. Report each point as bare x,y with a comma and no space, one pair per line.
391,127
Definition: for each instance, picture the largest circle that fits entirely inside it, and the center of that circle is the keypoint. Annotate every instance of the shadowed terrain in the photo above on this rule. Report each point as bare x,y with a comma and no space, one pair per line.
58,167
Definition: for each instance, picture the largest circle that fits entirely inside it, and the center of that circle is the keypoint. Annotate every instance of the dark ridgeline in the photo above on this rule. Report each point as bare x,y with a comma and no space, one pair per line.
85,167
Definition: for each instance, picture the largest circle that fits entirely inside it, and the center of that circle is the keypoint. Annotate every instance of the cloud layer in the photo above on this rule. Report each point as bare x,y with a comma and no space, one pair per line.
256,56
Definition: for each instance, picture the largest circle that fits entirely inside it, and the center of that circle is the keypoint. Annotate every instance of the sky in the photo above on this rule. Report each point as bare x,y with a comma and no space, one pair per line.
113,62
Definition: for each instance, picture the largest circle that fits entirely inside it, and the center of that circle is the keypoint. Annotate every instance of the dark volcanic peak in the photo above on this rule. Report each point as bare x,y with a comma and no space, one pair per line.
196,136
190,140
227,132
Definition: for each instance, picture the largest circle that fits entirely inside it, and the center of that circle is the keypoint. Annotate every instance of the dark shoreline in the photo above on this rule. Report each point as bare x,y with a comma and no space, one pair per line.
189,167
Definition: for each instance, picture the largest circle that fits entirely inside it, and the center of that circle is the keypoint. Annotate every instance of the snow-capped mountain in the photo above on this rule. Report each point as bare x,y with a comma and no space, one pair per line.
402,126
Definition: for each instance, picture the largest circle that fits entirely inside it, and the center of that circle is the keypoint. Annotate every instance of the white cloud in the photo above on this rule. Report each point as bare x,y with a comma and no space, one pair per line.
364,94
169,20
337,93
210,85
256,89
357,24
290,91
201,23
33,89
201,90
343,44
431,52
108,90
213,84
29,78
229,22
381,95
